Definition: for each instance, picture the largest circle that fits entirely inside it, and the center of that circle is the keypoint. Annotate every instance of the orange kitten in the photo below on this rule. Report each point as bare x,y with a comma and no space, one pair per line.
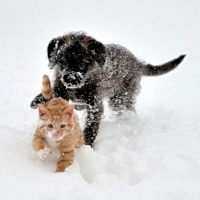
58,129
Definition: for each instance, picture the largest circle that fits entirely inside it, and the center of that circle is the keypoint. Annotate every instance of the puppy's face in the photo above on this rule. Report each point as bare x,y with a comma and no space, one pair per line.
75,62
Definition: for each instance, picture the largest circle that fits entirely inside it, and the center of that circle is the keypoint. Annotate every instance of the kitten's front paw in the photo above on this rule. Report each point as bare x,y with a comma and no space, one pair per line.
60,169
43,153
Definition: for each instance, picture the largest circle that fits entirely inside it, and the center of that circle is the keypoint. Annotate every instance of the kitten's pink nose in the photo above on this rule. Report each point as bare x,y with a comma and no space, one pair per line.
56,133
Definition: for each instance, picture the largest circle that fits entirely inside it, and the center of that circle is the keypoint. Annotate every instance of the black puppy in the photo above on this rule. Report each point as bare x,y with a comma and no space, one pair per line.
87,71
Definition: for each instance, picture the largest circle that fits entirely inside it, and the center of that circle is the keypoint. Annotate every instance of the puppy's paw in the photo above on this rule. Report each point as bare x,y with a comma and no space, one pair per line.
43,153
39,99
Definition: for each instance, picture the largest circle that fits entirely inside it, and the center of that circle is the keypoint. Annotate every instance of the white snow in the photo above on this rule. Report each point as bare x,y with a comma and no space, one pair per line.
153,155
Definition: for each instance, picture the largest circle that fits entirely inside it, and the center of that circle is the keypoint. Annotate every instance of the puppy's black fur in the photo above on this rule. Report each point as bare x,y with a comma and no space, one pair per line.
87,71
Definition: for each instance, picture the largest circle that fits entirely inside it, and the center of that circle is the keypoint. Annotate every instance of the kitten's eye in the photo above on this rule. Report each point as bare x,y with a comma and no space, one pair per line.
62,125
50,125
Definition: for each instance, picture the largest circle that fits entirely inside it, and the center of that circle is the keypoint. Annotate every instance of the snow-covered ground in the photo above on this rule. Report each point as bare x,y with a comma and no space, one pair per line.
154,155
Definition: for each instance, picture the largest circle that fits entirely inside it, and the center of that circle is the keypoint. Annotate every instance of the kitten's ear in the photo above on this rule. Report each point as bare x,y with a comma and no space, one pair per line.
42,110
69,110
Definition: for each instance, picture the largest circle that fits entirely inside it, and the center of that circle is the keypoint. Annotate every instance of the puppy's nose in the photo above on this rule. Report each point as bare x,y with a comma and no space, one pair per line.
68,78
72,78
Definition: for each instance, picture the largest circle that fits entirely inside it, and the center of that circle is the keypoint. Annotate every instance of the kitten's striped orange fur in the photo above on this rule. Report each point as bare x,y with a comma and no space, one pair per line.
58,128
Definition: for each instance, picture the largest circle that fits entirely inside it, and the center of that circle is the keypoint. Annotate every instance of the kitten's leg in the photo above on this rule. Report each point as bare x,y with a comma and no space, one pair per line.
79,135
40,147
66,159
43,153
80,140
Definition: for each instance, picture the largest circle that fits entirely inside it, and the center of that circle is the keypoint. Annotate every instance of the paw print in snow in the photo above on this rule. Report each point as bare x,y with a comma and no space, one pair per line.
43,153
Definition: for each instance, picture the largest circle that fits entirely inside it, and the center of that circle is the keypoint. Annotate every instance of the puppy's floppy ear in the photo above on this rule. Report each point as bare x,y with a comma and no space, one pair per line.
98,51
54,44
53,50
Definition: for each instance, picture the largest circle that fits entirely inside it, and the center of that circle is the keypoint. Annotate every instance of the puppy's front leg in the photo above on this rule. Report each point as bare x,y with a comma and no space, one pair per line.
94,113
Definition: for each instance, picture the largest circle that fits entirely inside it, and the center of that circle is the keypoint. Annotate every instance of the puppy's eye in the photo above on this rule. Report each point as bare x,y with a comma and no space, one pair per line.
50,125
82,67
62,125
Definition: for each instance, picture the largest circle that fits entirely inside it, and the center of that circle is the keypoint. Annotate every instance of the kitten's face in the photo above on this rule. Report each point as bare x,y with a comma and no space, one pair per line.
56,121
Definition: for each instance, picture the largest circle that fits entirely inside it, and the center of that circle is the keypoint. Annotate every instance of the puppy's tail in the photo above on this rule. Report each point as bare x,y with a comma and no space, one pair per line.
151,70
46,88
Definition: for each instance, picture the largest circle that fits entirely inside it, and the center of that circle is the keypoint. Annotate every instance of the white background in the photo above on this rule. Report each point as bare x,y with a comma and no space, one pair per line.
152,155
